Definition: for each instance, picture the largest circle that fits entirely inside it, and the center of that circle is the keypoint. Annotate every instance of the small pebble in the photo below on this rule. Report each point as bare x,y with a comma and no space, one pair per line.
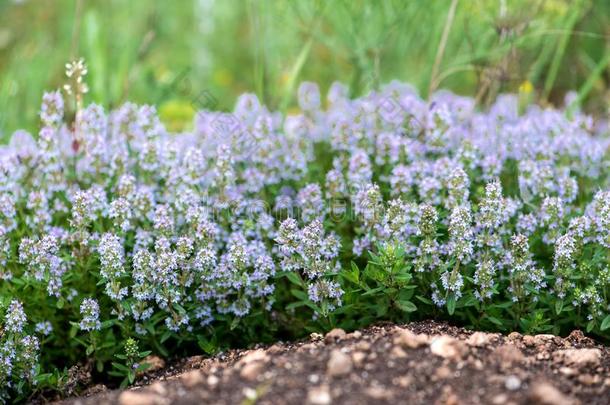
512,383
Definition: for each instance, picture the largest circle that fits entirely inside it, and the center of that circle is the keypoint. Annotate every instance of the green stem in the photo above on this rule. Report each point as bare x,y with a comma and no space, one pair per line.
561,48
441,47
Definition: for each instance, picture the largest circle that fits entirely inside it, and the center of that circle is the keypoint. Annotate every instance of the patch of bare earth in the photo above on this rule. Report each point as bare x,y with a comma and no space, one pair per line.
418,363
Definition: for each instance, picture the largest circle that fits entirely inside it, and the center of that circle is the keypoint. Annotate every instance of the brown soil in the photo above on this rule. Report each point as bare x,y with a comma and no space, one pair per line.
418,363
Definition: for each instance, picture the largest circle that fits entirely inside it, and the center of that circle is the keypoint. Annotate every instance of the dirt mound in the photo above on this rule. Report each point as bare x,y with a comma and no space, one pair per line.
424,362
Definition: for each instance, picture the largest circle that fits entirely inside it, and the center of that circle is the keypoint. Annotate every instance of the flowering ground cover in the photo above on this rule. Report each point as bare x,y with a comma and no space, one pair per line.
119,239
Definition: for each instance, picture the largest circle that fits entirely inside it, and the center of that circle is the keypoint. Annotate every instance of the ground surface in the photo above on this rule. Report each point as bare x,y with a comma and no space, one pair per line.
424,362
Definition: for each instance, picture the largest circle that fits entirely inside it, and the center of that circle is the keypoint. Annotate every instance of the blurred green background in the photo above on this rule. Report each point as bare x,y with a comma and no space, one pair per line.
169,53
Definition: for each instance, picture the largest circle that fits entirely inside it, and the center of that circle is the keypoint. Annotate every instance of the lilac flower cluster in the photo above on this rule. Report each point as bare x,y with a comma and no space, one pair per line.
90,312
311,253
18,350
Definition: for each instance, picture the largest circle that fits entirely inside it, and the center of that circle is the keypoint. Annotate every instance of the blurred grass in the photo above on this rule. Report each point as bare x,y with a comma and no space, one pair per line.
136,49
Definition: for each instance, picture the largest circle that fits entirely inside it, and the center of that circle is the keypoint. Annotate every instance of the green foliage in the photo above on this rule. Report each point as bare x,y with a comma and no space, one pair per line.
131,363
383,289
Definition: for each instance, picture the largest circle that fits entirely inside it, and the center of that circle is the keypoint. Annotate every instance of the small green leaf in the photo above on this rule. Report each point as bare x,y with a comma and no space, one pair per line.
107,324
120,366
297,304
165,335
406,306
207,346
558,306
90,349
451,304
382,310
403,276
18,281
126,305
293,278
605,323
180,309
494,320
424,299
353,274
406,294
503,305
470,301
302,295
373,291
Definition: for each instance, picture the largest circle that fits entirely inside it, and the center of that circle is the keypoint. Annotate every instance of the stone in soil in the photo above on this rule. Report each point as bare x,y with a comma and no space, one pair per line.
338,364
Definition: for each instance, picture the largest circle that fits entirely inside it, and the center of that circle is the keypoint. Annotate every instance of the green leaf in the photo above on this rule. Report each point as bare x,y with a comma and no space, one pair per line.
423,299
391,291
353,274
207,346
302,295
375,273
293,278
403,276
451,304
605,323
406,294
503,305
558,306
495,320
406,306
373,291
107,324
382,310
470,301
180,309
18,281
525,324
120,366
297,304
166,335
375,258
126,305
107,344
90,349
116,373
